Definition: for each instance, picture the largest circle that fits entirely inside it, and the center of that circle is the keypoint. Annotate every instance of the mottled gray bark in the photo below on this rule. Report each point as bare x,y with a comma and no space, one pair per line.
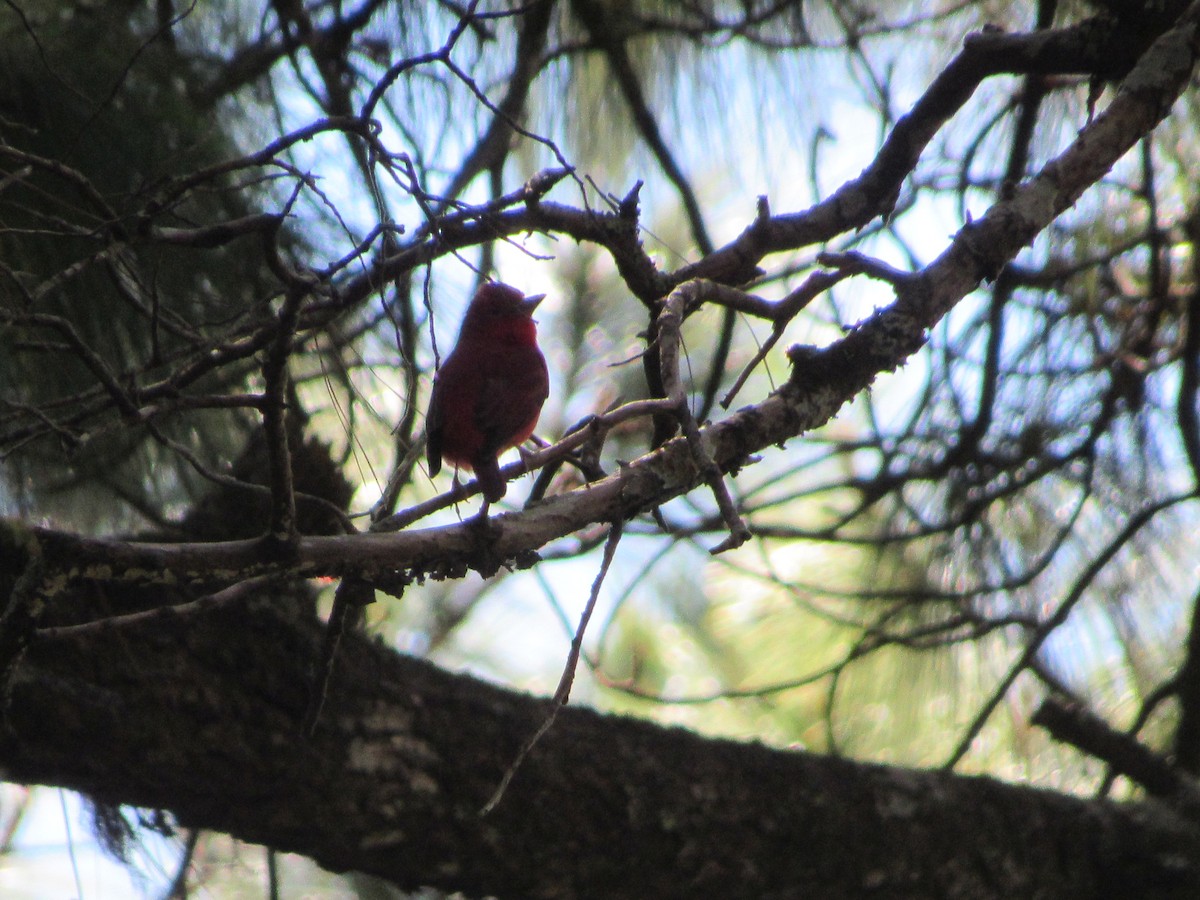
200,714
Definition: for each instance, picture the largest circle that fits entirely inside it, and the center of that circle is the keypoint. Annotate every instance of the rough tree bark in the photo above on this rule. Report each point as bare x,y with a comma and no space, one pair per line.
202,714
198,710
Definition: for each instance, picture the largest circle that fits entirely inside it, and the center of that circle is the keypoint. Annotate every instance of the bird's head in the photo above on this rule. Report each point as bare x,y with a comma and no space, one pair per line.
500,306
496,299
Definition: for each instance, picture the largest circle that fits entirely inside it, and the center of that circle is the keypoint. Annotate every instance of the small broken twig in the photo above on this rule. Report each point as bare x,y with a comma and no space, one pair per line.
563,693
670,321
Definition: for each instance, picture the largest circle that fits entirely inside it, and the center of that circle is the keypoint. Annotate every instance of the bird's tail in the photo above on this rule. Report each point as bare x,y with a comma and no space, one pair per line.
487,471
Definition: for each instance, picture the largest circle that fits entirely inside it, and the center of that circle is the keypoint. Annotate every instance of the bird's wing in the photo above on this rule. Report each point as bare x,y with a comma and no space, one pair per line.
434,422
508,404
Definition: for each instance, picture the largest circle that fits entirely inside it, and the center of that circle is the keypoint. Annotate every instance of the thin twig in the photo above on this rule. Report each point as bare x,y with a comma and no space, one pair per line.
530,462
178,889
1060,615
200,606
352,596
275,379
854,263
670,321
781,314
563,693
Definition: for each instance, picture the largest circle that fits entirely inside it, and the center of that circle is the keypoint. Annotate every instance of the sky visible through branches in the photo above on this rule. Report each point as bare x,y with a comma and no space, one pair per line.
1008,516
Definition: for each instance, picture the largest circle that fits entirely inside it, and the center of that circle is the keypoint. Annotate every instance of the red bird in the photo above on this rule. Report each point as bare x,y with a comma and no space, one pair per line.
489,392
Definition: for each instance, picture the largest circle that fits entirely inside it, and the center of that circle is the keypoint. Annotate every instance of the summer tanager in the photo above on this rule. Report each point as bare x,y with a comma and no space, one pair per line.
489,392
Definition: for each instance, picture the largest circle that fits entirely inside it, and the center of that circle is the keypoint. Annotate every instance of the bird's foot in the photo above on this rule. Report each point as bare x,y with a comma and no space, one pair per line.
481,524
485,534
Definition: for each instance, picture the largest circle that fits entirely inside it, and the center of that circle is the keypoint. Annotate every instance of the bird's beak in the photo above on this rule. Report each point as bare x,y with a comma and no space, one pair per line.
531,303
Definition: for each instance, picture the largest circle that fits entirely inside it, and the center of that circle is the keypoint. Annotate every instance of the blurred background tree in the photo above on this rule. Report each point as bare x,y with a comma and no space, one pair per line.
222,212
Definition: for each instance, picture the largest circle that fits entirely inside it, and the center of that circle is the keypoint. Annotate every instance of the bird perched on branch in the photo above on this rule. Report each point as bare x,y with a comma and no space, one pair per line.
489,392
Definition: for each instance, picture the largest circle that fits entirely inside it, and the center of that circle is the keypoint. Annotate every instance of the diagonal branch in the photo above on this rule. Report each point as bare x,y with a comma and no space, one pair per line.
822,380
393,783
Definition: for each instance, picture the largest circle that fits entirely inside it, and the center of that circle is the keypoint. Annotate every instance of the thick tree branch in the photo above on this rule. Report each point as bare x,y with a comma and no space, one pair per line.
405,756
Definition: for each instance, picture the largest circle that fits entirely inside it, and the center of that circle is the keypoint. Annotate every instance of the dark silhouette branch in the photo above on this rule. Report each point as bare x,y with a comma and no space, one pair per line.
393,778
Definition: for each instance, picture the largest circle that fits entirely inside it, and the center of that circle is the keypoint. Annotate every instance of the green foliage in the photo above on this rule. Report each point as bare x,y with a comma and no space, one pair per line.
95,143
